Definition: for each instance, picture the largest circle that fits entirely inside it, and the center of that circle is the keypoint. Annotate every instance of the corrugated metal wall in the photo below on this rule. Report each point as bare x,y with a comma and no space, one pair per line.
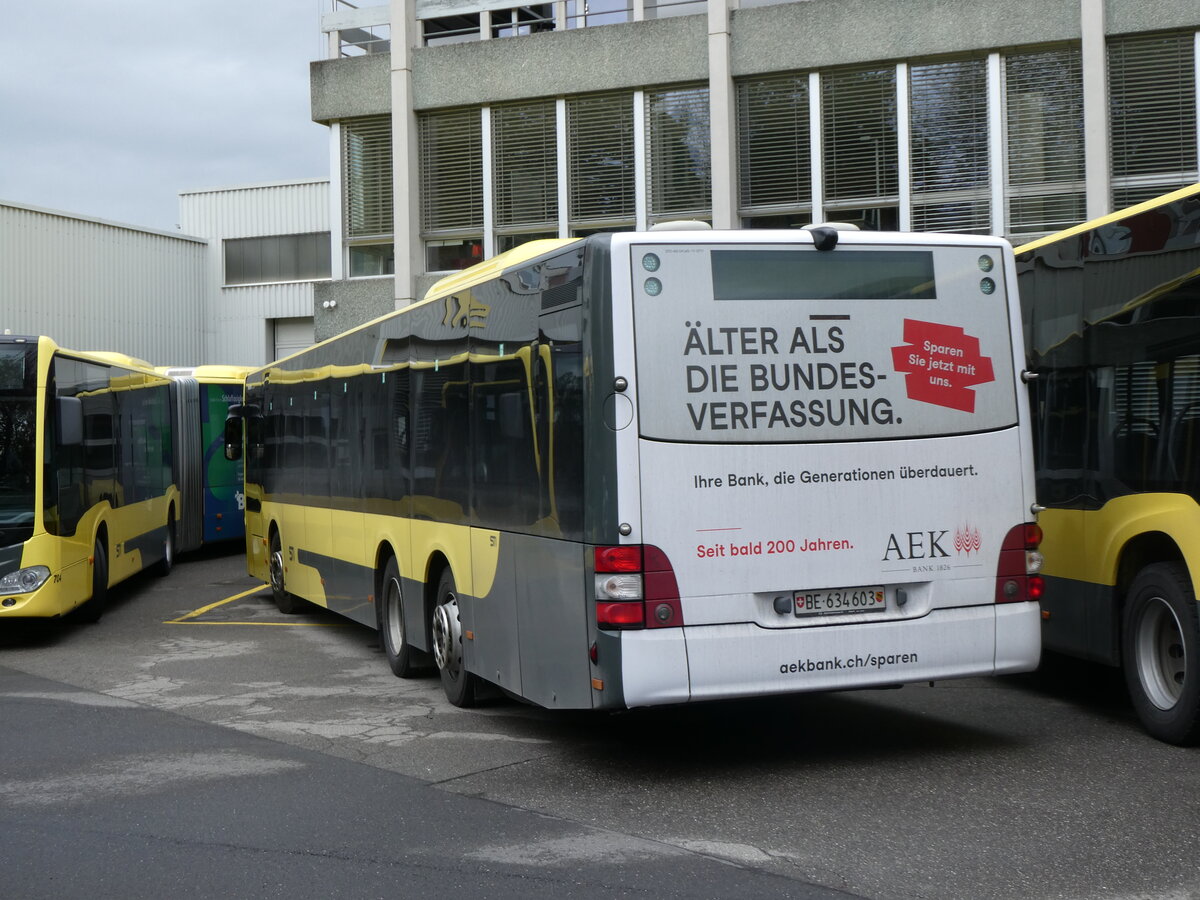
96,285
238,326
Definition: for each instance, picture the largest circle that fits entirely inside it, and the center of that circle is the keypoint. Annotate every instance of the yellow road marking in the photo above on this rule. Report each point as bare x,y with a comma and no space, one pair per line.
185,619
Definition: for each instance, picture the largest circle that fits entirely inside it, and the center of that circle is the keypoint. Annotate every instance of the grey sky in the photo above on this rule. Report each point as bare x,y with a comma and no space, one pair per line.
110,108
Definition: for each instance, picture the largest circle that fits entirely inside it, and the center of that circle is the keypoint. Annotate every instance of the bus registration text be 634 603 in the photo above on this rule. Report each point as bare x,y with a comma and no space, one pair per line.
841,600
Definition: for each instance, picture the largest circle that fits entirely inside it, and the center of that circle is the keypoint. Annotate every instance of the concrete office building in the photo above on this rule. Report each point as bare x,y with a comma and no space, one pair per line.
460,128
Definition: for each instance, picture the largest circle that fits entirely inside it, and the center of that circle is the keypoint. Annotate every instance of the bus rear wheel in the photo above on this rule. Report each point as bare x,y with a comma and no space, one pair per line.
392,633
288,604
1161,647
446,637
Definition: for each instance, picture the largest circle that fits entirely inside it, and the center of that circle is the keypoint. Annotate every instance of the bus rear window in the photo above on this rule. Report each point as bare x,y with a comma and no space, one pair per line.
801,274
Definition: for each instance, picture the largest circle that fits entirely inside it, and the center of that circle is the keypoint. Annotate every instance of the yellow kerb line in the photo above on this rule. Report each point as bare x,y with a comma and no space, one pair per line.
184,620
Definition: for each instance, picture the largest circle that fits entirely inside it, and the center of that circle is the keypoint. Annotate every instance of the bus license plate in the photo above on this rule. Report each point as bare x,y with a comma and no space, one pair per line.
842,600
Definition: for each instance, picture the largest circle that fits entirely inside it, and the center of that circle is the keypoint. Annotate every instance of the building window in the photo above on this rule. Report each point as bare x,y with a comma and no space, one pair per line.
1152,92
949,146
586,13
524,172
451,146
522,20
287,257
600,163
1044,110
450,29
679,153
859,146
774,151
367,176
369,260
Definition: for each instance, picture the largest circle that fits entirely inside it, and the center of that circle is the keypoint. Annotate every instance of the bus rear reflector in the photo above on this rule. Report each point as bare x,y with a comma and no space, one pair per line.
621,614
636,588
1016,572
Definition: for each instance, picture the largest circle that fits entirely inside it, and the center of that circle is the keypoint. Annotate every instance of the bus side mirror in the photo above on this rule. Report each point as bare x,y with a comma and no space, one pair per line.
69,412
233,432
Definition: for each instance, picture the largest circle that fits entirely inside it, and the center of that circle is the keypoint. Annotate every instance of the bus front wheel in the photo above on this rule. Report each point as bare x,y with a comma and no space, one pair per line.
288,604
446,634
1161,650
392,633
94,608
164,566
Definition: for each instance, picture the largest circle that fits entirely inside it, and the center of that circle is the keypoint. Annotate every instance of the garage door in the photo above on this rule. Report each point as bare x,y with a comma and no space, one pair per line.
292,335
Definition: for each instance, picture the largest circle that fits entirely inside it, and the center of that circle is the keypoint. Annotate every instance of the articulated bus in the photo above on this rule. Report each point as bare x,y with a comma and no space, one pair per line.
212,500
652,468
87,490
1112,313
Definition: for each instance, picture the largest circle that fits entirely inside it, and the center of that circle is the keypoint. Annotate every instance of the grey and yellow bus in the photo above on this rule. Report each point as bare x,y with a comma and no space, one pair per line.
651,468
87,488
1112,312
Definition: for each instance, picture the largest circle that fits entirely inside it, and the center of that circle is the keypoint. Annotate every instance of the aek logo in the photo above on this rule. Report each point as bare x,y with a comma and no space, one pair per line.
915,545
928,544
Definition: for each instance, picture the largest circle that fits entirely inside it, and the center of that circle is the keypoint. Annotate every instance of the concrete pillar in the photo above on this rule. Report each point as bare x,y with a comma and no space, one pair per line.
1097,168
722,115
406,230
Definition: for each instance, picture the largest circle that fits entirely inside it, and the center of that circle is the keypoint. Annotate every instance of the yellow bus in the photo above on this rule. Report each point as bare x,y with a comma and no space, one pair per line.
1112,320
213,502
666,467
87,489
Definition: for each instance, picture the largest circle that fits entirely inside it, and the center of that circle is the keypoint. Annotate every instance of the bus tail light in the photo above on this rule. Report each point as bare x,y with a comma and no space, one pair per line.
636,588
1017,577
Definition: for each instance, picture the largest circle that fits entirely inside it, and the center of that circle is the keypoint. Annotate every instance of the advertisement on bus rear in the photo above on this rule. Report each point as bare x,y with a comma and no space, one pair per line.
754,343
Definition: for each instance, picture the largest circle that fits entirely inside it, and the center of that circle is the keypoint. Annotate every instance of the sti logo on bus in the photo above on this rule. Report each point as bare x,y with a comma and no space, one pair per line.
465,312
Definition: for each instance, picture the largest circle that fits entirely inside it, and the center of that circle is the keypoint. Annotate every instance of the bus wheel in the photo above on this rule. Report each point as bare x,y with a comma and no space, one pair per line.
288,604
392,634
94,608
164,566
446,628
1161,644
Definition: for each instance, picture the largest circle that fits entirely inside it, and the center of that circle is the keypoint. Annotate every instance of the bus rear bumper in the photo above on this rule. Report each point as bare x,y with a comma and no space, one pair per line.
711,662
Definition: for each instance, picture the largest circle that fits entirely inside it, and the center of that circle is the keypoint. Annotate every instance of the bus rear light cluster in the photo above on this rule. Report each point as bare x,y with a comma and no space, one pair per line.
1017,577
636,588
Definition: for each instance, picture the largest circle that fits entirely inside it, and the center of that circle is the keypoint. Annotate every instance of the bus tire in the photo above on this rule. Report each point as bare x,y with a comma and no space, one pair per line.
288,604
1161,651
393,635
163,567
93,609
446,640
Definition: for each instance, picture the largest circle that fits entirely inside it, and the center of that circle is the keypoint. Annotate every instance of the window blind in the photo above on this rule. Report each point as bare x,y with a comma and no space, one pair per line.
367,175
774,154
858,135
1152,96
679,152
1044,111
525,172
451,147
600,169
949,156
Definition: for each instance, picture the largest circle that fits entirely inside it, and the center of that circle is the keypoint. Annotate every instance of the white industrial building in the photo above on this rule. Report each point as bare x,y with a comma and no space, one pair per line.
96,285
268,244
235,286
